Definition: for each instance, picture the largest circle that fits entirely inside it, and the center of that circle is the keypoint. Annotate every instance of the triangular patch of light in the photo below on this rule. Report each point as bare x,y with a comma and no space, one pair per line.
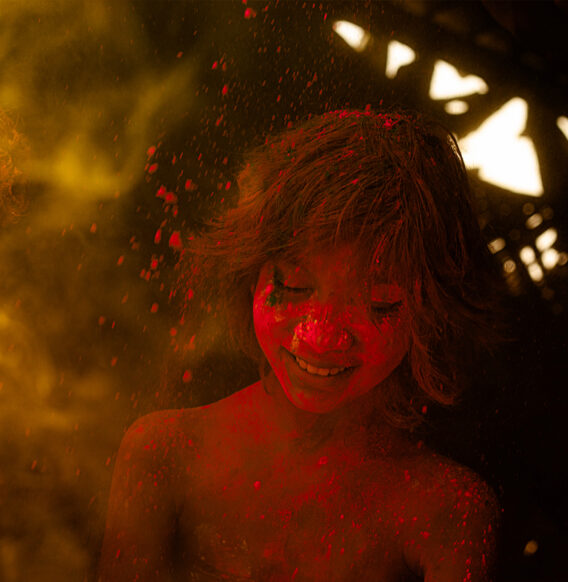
562,123
447,83
398,55
355,36
501,154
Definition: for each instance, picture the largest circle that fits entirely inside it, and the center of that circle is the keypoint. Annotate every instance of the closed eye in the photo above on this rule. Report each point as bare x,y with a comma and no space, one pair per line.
383,309
279,285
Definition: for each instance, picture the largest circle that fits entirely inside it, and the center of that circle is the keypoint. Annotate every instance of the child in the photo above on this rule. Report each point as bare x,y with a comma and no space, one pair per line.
353,271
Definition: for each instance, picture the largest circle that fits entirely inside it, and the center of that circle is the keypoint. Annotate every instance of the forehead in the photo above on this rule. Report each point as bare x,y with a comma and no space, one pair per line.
344,261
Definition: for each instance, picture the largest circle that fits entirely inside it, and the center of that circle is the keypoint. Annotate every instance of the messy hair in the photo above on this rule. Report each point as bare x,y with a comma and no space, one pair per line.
394,185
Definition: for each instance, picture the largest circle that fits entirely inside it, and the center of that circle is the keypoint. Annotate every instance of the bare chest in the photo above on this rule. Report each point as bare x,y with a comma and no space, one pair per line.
305,522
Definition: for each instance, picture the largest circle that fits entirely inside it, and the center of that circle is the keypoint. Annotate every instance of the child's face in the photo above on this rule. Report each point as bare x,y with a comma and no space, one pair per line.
329,335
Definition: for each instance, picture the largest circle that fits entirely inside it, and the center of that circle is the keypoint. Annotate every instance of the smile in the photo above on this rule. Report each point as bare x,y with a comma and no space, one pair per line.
314,370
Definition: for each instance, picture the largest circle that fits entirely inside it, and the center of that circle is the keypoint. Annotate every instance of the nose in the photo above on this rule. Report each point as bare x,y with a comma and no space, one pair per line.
323,334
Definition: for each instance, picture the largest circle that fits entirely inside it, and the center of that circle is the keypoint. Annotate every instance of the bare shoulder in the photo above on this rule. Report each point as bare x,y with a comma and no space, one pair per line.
458,516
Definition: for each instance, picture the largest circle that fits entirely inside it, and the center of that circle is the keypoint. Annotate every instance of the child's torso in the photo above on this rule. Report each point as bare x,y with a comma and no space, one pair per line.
334,516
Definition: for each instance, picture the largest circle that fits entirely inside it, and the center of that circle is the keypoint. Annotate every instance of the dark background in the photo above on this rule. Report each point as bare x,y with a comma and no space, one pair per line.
86,316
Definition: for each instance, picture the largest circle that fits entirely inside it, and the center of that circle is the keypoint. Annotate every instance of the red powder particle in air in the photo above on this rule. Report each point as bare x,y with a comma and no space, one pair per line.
113,363
225,89
93,228
154,308
173,331
151,151
175,241
158,236
152,169
120,260
179,55
249,13
124,298
187,376
228,185
154,264
218,122
190,294
257,484
161,193
102,320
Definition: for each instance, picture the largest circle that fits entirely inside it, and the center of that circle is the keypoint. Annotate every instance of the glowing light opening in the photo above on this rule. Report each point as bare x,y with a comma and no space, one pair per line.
533,221
546,239
535,272
527,255
447,83
562,123
398,55
355,36
550,258
509,266
496,245
456,107
502,155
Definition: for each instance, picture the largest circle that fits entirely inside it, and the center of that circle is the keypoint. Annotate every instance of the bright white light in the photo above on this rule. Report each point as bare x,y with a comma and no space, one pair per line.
533,221
456,107
496,245
527,255
550,258
546,239
535,272
503,156
447,83
398,55
356,37
562,123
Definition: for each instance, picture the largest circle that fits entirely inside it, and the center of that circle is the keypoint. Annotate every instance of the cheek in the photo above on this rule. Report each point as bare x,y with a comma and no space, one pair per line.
389,340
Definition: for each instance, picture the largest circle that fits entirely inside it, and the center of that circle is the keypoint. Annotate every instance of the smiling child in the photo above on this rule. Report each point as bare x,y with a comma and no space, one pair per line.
353,271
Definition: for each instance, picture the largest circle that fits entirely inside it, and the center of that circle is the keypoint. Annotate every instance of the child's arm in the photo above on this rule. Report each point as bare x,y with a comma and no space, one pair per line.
142,504
459,542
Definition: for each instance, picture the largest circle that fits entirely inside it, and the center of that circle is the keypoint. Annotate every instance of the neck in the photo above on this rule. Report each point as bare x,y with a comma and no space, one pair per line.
354,424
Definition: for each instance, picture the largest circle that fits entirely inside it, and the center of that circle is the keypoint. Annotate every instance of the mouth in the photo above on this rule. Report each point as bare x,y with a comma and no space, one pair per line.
319,371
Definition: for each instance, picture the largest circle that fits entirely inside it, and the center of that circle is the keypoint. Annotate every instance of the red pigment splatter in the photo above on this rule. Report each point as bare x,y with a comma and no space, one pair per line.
154,308
190,294
102,319
151,151
158,236
152,168
173,331
154,264
120,260
175,241
93,228
225,89
186,377
249,13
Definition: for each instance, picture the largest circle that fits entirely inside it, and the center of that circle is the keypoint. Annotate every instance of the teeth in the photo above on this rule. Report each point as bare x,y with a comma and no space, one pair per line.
318,371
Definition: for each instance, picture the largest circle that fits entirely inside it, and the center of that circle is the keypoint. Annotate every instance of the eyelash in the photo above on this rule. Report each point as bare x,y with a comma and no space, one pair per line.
385,309
280,286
